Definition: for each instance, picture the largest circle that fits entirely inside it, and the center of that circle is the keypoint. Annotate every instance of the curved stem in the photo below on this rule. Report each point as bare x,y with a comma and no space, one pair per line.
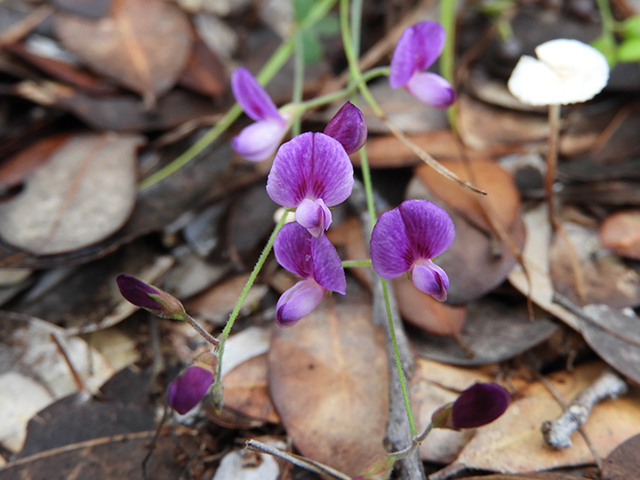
298,80
203,333
356,263
273,65
447,59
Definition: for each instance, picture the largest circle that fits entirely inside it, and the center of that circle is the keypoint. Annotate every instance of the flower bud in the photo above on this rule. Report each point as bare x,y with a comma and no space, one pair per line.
150,298
348,127
478,405
189,388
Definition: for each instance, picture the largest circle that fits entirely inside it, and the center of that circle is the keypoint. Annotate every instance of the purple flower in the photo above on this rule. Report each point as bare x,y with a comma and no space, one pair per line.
259,140
406,238
311,173
418,48
348,127
186,391
478,405
313,259
150,298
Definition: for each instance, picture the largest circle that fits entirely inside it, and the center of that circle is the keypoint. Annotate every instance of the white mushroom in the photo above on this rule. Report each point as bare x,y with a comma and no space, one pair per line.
566,71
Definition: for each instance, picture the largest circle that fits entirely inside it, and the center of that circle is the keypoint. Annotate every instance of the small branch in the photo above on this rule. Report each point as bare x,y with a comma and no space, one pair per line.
201,331
557,433
297,460
79,381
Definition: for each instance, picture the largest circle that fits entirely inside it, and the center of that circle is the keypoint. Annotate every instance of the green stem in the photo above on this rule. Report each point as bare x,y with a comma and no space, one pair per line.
356,263
447,59
298,80
198,328
273,65
608,22
356,75
234,314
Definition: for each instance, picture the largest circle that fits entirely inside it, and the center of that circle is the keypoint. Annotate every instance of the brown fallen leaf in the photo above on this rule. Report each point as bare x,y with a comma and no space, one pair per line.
204,72
83,194
607,279
621,233
623,463
142,44
514,444
328,381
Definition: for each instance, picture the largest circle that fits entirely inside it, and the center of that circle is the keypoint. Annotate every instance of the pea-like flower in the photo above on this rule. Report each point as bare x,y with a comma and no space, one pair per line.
311,173
478,405
150,298
313,259
189,388
406,239
418,48
258,141
348,127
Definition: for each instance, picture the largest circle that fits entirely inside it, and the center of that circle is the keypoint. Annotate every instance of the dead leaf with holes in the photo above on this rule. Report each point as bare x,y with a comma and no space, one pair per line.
142,44
83,194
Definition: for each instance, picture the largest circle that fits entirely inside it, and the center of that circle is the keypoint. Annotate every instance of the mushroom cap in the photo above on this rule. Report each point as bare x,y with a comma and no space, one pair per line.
566,71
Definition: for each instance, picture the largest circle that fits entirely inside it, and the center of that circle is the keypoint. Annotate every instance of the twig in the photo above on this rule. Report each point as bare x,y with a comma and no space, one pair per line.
79,381
557,433
302,462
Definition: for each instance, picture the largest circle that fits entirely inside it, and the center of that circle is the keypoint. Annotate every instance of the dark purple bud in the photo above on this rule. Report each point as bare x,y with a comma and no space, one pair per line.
186,391
478,405
150,298
348,127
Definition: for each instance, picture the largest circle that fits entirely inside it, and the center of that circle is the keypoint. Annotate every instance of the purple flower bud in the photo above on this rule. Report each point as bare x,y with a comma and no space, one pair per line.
313,259
406,238
478,405
150,298
259,140
191,386
348,127
310,173
418,48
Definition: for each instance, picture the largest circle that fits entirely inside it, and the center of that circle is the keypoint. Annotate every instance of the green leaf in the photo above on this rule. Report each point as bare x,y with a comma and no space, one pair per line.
301,9
629,50
631,27
607,45
313,50
327,27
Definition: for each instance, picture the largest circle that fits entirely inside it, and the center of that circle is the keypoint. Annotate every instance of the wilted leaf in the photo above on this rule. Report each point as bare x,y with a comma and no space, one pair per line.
31,353
536,260
514,444
494,331
502,201
142,44
623,463
328,381
621,233
607,279
83,194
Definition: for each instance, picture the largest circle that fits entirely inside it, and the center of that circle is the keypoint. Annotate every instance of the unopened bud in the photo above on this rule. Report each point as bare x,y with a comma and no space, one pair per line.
150,298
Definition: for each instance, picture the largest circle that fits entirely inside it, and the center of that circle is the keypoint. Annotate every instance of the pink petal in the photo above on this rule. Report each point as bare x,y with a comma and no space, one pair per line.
292,248
429,229
315,216
252,97
298,301
391,253
328,270
259,140
431,89
430,278
313,166
478,405
429,38
403,61
348,127
186,391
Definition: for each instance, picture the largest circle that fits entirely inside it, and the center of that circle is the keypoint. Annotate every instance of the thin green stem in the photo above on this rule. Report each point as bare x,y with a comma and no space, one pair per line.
273,65
356,263
298,80
608,22
252,278
356,75
447,59
203,333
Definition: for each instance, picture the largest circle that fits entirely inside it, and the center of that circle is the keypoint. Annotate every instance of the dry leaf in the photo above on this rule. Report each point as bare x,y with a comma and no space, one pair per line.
607,279
247,465
83,194
142,44
502,200
328,381
621,233
536,260
623,463
514,444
